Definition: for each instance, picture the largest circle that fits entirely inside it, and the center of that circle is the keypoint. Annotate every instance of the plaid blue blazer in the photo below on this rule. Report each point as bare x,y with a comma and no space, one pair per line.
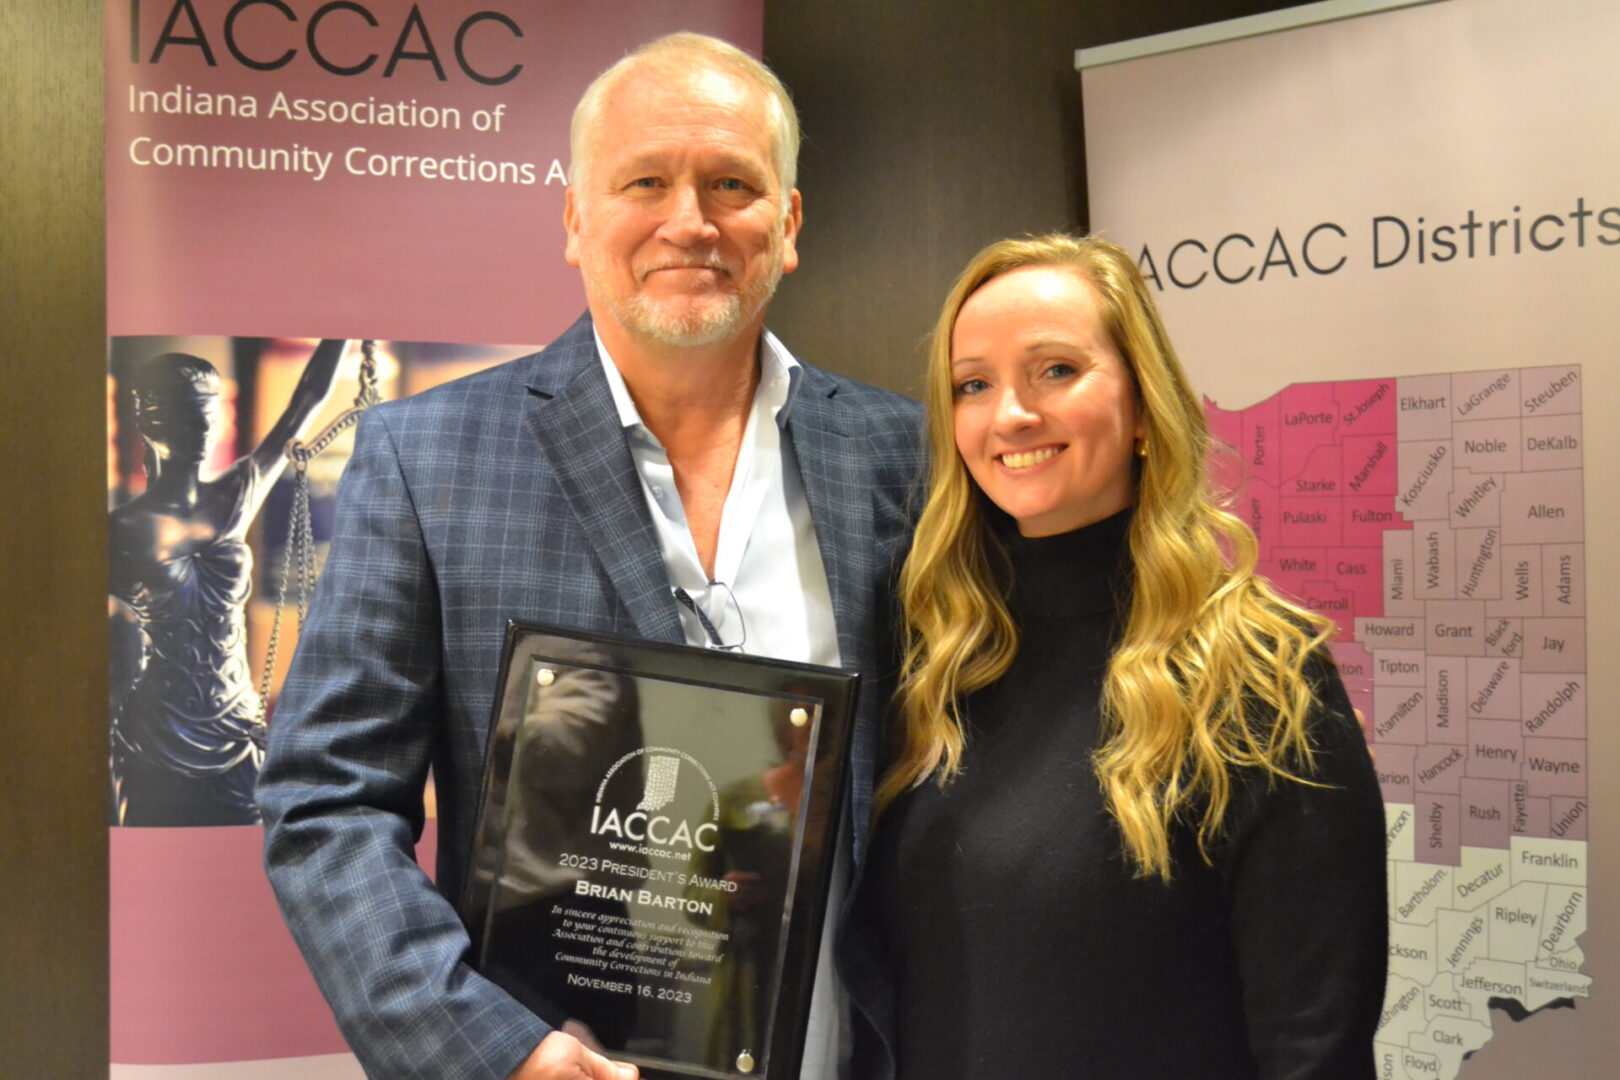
509,494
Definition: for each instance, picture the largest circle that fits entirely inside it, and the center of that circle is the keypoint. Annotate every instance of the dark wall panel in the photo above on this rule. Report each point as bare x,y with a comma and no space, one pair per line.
53,799
932,128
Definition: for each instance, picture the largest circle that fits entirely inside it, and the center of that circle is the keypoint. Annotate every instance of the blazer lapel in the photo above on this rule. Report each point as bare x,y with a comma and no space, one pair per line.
571,415
825,441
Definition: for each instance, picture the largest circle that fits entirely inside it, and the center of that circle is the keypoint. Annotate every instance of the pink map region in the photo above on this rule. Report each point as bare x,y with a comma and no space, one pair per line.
1313,471
1294,569
1368,465
1310,419
1357,574
1261,430
1317,474
1311,520
1366,406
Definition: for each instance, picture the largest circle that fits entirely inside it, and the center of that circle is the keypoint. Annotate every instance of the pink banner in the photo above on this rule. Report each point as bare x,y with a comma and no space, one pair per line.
278,172
359,168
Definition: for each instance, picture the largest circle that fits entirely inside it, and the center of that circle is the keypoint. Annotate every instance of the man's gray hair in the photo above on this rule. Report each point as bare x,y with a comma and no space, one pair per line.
781,120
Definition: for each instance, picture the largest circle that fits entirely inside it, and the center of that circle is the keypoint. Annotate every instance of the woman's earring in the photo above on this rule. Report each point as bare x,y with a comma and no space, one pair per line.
1141,447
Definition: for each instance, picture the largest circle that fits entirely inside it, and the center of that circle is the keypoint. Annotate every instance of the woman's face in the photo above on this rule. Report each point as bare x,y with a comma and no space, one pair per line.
1045,411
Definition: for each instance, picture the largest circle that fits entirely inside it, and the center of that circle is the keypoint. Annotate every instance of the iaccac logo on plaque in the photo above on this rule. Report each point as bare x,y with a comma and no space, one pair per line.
629,813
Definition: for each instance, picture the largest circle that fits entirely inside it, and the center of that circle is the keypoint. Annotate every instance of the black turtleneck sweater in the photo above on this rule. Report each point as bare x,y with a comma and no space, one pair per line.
1022,942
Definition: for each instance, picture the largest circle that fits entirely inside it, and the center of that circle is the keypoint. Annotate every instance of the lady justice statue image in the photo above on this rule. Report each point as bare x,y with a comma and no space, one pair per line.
188,735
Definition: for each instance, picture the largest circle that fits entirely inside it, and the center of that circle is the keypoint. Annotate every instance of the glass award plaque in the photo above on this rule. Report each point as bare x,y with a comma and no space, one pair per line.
654,846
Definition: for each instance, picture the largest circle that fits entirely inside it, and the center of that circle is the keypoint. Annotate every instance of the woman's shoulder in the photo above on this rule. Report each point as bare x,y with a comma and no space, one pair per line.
1336,773
1337,743
1332,713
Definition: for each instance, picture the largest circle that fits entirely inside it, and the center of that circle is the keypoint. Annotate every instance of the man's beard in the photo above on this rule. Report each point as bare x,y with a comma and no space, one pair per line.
720,318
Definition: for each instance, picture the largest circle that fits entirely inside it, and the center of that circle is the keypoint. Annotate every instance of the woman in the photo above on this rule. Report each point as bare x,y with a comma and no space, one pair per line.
188,735
1130,827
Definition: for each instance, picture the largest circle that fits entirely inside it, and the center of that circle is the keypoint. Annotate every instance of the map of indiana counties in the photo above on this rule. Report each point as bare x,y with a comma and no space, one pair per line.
1438,521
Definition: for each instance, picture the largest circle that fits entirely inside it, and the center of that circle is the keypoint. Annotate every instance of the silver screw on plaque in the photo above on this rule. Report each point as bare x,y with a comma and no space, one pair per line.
545,676
798,717
745,1060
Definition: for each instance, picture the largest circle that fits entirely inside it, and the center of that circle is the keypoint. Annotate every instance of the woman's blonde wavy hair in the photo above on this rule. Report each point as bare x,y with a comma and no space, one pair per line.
1207,647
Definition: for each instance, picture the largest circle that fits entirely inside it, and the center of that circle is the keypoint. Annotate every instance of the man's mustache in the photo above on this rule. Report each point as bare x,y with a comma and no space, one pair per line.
712,261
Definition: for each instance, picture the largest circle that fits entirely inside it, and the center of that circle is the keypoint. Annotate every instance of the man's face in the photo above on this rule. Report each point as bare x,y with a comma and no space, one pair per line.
677,224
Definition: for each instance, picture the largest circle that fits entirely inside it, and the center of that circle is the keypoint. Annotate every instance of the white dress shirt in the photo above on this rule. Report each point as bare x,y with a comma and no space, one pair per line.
768,597
769,592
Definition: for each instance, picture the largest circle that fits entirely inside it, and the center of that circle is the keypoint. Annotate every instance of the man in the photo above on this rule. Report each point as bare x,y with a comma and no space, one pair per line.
666,456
